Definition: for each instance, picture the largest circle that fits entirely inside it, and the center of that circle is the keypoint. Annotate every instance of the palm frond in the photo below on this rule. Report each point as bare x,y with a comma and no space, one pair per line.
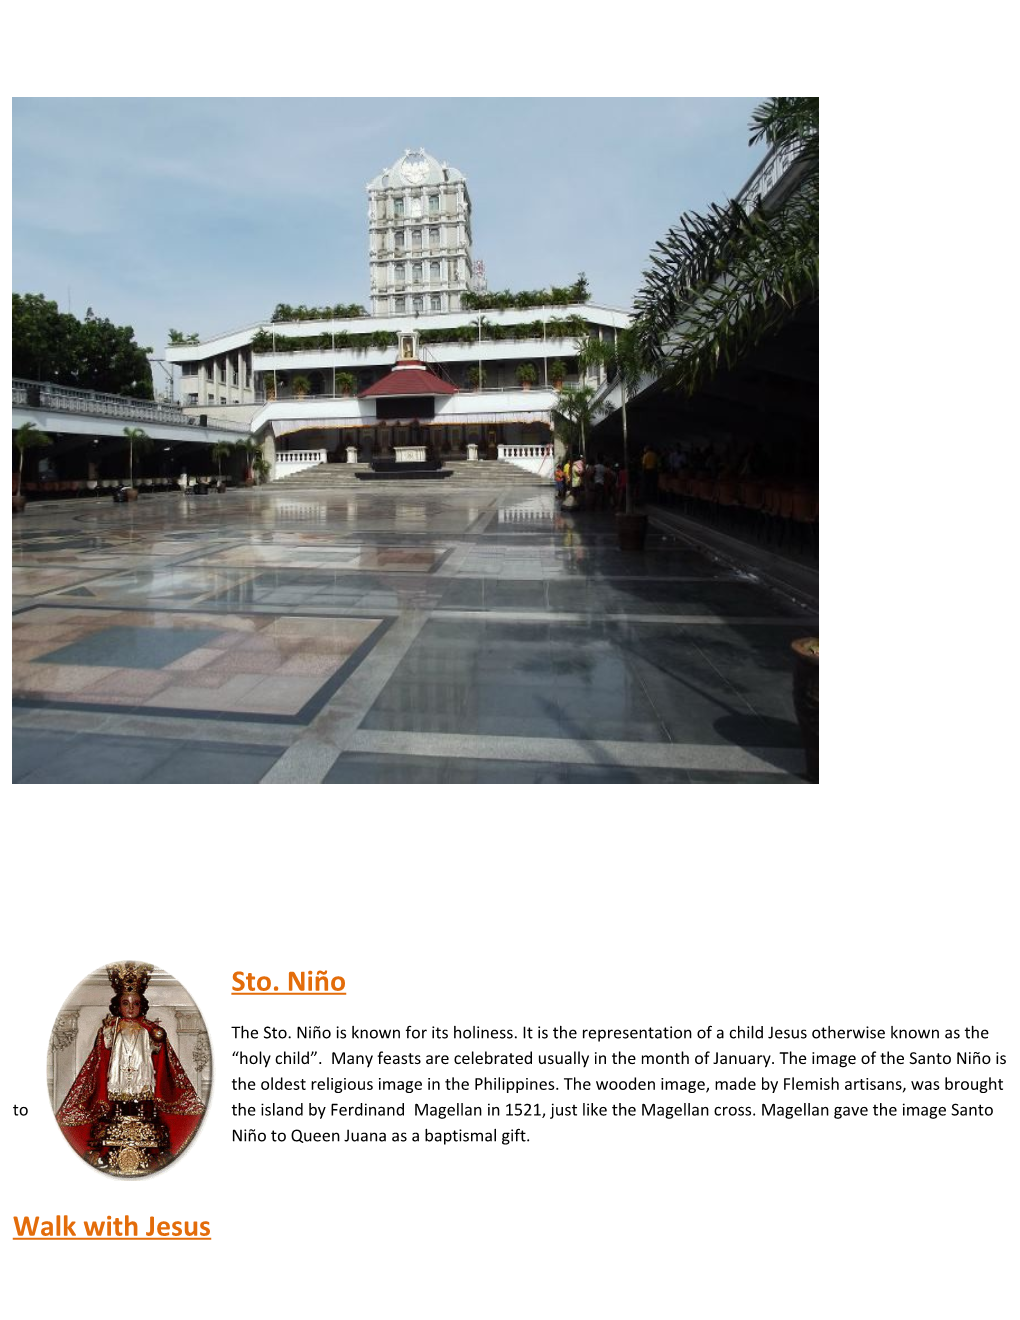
721,282
28,436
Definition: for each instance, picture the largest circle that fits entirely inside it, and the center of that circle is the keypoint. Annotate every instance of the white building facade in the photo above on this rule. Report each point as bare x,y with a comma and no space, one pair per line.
302,383
419,226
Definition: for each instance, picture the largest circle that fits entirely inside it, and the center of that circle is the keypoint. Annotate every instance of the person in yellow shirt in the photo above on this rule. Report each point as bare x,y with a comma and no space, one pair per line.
649,474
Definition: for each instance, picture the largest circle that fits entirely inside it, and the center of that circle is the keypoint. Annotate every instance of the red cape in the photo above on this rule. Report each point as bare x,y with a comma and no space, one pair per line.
176,1100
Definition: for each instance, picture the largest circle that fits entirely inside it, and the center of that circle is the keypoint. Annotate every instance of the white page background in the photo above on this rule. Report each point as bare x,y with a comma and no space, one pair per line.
885,896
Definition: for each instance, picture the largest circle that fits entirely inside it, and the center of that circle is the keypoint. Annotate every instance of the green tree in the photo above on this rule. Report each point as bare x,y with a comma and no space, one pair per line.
94,354
251,448
576,407
28,436
42,339
137,439
621,358
720,283
221,450
110,360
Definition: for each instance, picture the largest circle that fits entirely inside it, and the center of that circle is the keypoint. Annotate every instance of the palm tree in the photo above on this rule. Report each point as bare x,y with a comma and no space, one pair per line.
137,439
249,447
722,282
28,436
622,357
574,405
220,451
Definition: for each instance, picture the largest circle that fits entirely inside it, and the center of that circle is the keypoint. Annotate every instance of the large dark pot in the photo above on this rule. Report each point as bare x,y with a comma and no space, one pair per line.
18,503
805,699
130,493
631,530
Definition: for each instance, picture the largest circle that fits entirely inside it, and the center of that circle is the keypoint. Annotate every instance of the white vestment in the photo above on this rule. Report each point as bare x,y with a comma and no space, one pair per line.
131,1073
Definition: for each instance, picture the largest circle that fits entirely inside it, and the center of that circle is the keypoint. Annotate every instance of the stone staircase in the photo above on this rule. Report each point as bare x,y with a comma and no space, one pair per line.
340,476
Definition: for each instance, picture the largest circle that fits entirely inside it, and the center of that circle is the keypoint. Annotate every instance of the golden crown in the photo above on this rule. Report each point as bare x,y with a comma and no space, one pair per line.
129,977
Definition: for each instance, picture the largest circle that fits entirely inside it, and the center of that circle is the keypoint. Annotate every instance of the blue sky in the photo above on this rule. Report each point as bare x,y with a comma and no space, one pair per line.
202,214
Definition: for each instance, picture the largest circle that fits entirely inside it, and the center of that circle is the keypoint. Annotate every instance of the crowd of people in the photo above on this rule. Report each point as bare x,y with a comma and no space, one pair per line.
601,485
598,485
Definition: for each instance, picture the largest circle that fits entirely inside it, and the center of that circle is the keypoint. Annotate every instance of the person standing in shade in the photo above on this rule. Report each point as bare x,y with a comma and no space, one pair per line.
577,469
599,484
649,474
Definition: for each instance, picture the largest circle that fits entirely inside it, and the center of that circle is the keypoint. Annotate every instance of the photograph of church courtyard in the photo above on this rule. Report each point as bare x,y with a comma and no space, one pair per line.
463,528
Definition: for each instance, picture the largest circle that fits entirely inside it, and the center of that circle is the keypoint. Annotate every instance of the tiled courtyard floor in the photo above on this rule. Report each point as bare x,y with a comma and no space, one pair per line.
397,635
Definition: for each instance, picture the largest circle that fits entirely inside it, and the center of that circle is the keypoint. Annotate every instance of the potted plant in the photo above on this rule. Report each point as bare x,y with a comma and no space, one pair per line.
526,375
262,468
805,699
476,378
301,387
137,439
345,383
269,384
27,436
557,371
624,357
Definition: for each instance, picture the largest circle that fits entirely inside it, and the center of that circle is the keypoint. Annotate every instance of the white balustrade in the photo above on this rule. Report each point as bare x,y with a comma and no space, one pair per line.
66,398
297,460
532,458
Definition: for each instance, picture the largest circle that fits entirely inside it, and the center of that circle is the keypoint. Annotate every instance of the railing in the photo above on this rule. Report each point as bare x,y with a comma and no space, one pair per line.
553,343
223,424
532,458
768,174
223,334
501,389
282,397
508,452
64,398
297,460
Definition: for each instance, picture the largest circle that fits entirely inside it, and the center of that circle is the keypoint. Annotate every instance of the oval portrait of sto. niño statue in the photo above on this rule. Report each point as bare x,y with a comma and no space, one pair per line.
129,1069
